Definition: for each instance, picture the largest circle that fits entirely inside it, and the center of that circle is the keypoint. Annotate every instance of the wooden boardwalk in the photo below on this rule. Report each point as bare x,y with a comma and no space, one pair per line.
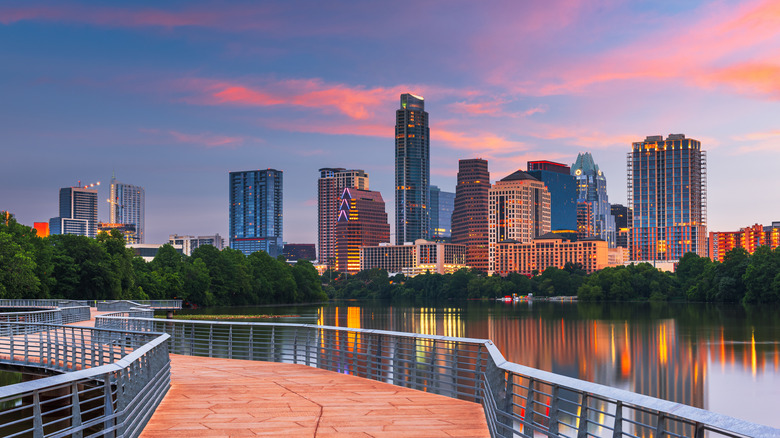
228,397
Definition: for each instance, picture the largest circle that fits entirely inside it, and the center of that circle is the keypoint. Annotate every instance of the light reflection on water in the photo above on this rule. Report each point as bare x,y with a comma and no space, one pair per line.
722,358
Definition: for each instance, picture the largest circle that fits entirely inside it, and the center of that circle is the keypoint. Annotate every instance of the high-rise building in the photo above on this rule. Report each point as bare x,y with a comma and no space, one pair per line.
623,218
554,249
441,206
300,251
190,243
127,207
330,185
256,211
414,258
412,170
78,211
519,210
563,192
362,221
748,238
592,188
470,214
667,190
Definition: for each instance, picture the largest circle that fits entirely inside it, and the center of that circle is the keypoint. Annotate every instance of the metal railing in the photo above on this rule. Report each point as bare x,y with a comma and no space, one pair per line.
127,305
42,304
65,315
517,400
114,380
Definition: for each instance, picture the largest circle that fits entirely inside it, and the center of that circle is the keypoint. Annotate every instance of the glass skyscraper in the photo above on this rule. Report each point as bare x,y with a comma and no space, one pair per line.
78,212
127,207
563,192
441,206
412,170
667,188
256,211
592,189
330,186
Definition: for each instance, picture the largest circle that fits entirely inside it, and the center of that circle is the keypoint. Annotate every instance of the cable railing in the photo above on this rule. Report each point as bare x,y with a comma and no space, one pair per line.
127,305
517,400
114,380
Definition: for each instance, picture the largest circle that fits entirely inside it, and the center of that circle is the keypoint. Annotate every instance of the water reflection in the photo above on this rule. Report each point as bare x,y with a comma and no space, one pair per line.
666,351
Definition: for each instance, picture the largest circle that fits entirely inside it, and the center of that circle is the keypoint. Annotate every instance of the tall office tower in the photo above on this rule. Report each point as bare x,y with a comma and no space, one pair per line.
331,184
563,192
470,214
667,188
362,221
127,207
519,210
412,170
256,211
78,211
441,206
592,188
623,218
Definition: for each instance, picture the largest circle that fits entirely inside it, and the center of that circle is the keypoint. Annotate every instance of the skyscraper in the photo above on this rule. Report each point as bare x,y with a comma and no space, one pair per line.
470,214
256,211
519,210
667,188
623,218
127,207
441,206
412,170
592,188
362,221
78,211
563,192
330,186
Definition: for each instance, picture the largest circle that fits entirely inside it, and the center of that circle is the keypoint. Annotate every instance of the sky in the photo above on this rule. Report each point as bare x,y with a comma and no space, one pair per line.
172,96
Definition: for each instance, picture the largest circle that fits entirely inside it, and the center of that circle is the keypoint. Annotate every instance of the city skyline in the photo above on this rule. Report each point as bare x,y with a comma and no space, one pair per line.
193,91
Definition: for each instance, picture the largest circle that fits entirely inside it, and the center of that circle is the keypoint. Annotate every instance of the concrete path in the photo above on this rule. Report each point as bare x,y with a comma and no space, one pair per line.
236,398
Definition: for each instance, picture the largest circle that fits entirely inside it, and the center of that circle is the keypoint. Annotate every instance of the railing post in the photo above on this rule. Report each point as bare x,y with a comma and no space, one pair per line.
108,405
295,345
478,376
230,342
528,418
211,337
582,428
271,346
251,343
617,431
433,380
75,411
37,417
553,425
660,429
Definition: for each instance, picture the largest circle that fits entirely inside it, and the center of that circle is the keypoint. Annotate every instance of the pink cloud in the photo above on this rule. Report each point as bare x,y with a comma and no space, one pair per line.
493,108
758,79
206,139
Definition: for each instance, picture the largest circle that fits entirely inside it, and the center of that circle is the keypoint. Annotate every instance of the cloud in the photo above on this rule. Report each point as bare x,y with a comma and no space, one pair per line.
756,79
205,139
493,108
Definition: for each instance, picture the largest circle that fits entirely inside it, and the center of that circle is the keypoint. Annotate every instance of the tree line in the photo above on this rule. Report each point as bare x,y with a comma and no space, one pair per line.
81,268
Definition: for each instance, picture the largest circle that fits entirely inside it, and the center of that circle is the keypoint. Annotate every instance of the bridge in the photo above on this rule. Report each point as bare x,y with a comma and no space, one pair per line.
132,374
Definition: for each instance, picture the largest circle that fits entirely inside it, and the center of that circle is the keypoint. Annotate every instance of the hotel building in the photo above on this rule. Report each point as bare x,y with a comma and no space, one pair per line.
412,259
470,213
412,170
190,243
78,212
560,182
441,206
256,211
127,207
519,210
553,249
748,238
362,221
330,185
667,191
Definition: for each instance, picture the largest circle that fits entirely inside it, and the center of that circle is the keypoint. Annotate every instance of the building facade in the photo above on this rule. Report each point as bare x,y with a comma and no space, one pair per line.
127,230
667,191
470,213
256,211
412,259
551,250
190,243
519,210
592,188
362,221
127,206
441,207
623,218
563,192
300,251
748,238
78,212
330,185
412,170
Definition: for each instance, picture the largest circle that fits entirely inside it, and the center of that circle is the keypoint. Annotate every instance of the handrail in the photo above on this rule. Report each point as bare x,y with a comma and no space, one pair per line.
518,400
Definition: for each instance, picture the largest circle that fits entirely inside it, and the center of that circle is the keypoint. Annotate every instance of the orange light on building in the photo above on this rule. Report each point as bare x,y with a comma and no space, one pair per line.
41,228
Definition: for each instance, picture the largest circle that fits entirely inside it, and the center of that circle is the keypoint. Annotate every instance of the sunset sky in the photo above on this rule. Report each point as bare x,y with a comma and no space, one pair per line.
172,96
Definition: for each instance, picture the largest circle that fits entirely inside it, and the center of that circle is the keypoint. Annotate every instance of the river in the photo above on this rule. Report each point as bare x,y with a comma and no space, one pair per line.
724,358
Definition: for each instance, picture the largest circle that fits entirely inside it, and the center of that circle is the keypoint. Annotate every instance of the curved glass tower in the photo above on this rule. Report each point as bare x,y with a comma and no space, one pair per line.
412,170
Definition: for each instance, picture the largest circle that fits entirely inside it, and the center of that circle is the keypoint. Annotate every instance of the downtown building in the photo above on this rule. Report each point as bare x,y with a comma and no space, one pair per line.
747,238
126,211
470,213
594,214
78,212
412,170
554,249
415,258
518,211
562,185
191,243
441,206
362,221
330,186
667,191
299,251
256,211
623,219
